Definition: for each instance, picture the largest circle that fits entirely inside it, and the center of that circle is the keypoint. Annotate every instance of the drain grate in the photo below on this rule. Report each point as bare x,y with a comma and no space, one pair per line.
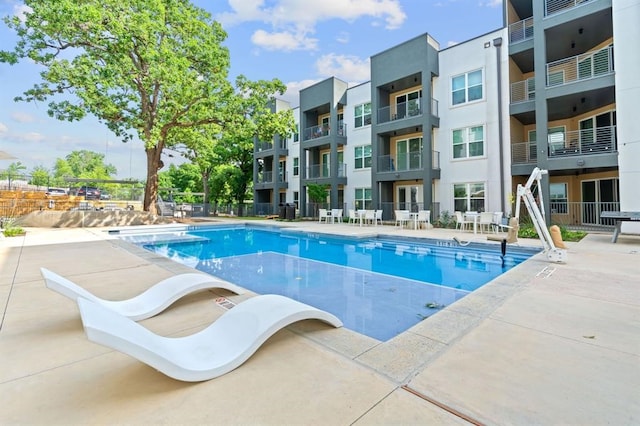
225,303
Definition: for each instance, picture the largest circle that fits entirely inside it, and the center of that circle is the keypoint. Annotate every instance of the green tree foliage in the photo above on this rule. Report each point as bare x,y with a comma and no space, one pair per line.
16,170
145,68
40,176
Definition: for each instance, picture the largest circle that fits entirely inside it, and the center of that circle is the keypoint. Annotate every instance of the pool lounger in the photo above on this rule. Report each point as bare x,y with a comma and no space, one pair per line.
148,303
218,349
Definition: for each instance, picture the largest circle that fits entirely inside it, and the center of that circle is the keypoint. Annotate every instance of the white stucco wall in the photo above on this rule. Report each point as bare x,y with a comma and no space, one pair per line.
360,178
456,60
626,33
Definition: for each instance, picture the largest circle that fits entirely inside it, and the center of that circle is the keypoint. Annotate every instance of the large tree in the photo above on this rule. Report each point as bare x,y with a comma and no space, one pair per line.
145,68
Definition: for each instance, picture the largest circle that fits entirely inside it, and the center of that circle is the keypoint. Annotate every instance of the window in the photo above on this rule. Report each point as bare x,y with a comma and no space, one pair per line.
408,104
468,142
558,198
296,166
363,198
296,199
362,157
362,115
296,135
466,87
555,136
409,154
468,197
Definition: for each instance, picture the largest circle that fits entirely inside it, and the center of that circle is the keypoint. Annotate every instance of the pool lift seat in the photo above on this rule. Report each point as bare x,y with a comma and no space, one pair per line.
524,195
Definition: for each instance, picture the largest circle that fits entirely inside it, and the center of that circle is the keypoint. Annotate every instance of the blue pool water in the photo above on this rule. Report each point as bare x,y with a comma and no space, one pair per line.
379,287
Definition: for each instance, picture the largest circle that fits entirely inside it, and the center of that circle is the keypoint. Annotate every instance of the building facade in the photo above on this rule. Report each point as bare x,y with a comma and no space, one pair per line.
458,128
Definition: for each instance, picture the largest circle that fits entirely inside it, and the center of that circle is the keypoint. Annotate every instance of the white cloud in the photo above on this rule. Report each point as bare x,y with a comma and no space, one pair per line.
285,41
30,137
491,3
345,67
20,10
292,94
343,37
295,18
3,128
22,117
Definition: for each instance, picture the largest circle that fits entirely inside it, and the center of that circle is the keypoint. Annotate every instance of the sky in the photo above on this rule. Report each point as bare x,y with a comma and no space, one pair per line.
299,42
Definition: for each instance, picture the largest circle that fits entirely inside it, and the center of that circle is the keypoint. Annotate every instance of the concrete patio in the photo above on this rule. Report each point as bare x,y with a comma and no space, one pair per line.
542,344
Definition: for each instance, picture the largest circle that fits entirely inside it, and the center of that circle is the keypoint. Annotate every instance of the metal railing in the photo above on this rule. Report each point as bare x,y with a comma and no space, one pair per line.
401,110
521,30
267,177
405,162
524,153
323,171
323,130
522,91
585,142
580,67
556,6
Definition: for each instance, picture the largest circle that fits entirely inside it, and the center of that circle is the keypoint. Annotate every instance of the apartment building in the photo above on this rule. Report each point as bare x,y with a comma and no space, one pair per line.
458,128
565,102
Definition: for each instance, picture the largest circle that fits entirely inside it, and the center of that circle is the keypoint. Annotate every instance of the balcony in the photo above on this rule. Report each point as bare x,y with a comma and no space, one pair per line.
600,140
580,67
267,177
401,162
521,31
322,171
556,6
523,91
524,153
402,110
323,130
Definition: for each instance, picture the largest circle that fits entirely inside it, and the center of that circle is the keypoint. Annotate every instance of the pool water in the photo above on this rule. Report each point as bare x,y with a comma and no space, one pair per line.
379,287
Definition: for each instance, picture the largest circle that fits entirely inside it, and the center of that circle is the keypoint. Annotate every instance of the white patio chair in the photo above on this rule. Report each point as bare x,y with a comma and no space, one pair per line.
324,214
424,218
378,217
336,215
370,217
352,217
402,217
462,221
486,221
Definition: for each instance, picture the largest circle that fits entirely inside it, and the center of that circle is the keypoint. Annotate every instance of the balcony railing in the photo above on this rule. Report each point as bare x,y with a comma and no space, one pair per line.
401,110
580,67
317,171
267,177
266,146
584,142
555,6
322,130
521,30
524,153
522,91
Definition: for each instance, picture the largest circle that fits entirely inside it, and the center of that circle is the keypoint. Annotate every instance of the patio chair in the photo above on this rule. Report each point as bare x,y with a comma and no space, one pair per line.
218,349
336,215
353,217
151,302
324,214
486,221
370,217
462,221
402,217
378,217
424,218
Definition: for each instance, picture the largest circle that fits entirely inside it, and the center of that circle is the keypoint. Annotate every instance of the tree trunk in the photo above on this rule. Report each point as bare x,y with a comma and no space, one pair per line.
151,188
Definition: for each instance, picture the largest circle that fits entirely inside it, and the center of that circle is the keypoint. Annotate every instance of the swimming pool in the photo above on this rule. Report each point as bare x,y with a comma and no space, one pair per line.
377,286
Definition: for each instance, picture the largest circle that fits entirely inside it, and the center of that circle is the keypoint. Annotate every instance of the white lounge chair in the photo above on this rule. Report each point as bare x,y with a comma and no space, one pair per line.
148,303
218,349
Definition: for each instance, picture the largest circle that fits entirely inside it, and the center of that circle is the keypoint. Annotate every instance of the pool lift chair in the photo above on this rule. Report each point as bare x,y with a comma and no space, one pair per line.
524,194
218,349
151,302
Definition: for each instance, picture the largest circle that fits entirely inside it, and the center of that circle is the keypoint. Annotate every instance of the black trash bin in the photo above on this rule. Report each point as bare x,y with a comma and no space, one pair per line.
281,211
291,211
